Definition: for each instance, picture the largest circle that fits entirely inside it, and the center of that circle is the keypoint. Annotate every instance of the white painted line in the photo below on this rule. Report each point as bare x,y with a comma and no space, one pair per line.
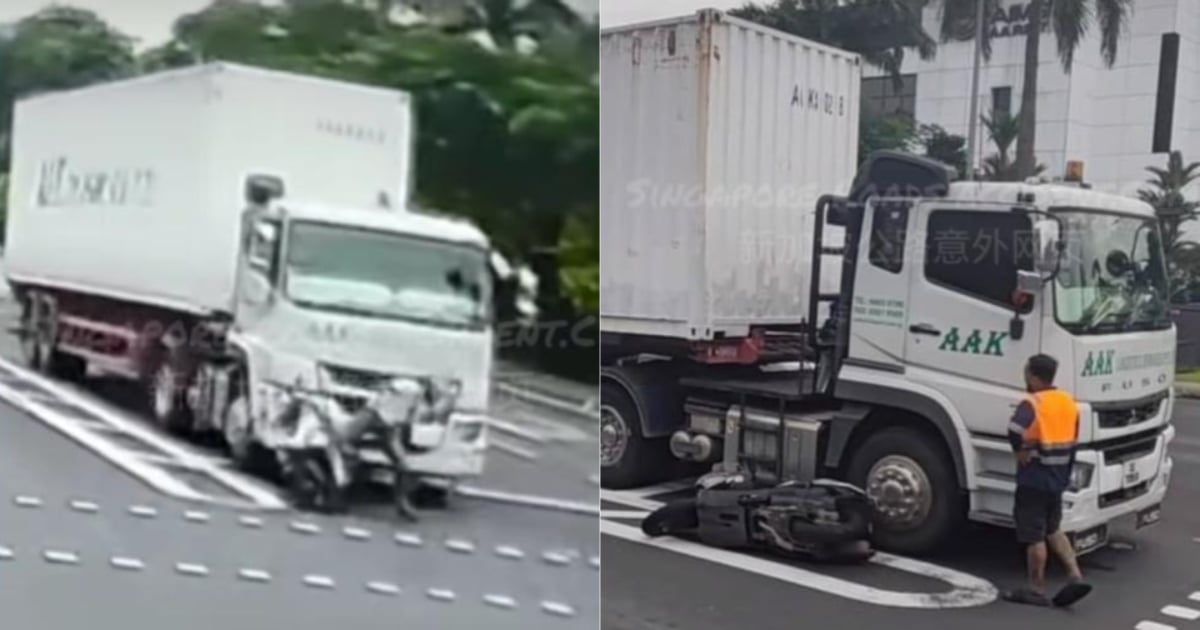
250,521
383,588
510,552
460,546
595,562
558,608
85,506
143,511
630,514
1152,625
356,533
195,570
629,498
302,527
594,480
1181,612
197,516
1195,596
27,501
585,410
564,505
127,564
254,575
60,557
319,581
668,487
512,449
515,430
6,553
556,558
500,601
408,539
441,594
257,492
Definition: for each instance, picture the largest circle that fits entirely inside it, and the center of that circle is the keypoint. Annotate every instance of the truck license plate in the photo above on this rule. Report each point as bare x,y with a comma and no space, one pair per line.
1090,539
1149,516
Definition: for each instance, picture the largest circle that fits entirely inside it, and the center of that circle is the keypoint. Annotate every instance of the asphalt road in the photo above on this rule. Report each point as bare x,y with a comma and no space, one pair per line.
1154,579
89,539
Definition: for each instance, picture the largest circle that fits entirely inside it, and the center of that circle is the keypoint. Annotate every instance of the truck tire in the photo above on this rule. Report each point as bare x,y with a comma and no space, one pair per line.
627,459
167,395
247,453
918,501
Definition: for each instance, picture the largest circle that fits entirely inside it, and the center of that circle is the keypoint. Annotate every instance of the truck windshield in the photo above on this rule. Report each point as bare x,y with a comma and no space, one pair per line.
382,274
1113,275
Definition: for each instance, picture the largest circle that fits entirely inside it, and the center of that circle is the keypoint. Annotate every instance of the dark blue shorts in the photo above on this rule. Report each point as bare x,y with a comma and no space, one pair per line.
1036,513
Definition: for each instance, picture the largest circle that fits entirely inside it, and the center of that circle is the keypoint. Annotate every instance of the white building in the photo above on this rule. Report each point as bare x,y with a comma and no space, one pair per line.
1116,120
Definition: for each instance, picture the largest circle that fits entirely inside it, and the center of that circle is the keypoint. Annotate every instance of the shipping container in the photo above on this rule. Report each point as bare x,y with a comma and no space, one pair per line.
134,190
719,137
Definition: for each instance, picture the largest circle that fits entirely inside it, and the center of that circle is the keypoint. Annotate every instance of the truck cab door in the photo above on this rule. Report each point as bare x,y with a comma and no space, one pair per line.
958,335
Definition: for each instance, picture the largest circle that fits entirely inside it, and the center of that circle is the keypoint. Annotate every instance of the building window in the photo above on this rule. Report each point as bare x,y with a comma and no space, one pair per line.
1001,101
978,253
889,227
888,96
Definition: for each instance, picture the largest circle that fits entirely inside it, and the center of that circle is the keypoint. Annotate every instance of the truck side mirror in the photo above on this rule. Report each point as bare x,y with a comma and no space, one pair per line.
261,189
1048,240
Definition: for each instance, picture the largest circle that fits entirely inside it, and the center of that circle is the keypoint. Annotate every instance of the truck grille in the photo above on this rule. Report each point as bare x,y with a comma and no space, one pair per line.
352,377
1133,447
1118,417
1125,494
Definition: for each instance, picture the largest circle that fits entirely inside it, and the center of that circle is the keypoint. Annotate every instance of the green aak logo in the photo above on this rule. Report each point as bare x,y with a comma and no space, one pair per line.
1098,363
953,342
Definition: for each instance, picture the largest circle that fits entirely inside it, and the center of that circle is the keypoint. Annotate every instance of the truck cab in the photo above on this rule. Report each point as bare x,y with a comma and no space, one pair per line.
903,381
342,300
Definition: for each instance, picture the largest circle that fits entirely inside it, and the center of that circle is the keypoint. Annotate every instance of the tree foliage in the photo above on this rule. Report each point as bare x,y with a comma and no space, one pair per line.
885,132
1174,211
509,139
948,148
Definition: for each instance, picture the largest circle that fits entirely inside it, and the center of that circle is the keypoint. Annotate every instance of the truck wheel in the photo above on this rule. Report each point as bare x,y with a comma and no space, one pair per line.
918,501
168,402
627,459
246,452
33,351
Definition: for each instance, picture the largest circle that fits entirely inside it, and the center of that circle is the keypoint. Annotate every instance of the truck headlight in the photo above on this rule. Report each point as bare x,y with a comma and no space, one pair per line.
1081,476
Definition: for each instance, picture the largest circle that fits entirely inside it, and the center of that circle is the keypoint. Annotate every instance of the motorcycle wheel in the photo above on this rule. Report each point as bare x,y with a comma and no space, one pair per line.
676,517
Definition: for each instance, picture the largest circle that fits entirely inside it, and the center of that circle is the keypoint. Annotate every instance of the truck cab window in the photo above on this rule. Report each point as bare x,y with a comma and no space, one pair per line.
978,253
889,228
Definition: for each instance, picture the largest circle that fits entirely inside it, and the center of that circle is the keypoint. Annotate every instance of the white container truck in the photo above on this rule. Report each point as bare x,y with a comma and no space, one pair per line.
740,331
147,238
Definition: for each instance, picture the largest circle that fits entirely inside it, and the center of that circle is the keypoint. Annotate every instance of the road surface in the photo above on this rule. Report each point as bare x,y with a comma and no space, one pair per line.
108,523
1151,583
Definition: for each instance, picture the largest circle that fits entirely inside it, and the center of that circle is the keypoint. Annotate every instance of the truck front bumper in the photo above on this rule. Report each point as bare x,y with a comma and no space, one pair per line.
461,455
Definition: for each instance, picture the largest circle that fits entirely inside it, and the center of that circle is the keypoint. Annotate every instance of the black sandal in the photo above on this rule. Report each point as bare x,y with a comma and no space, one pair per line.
1072,593
1025,596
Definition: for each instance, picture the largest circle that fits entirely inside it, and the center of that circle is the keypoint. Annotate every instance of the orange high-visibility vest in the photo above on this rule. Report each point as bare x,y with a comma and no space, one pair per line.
1055,428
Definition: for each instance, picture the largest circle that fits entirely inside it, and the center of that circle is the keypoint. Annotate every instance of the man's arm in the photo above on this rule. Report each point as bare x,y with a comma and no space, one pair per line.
1021,421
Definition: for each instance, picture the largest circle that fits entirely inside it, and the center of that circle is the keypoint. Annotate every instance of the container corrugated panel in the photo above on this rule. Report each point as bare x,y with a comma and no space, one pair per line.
719,135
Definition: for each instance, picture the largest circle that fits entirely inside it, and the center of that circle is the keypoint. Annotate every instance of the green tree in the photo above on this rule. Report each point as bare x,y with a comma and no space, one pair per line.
884,132
879,30
507,20
948,148
1174,211
1069,20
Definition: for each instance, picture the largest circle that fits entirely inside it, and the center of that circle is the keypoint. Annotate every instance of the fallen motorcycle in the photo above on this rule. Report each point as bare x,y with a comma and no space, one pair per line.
822,520
320,446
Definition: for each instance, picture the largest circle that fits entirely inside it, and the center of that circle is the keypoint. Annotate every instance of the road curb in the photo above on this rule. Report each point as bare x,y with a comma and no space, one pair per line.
1187,390
585,409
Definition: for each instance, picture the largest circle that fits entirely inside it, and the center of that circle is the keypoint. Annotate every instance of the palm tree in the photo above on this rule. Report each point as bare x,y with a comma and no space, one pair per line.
879,30
1171,207
1003,130
1070,21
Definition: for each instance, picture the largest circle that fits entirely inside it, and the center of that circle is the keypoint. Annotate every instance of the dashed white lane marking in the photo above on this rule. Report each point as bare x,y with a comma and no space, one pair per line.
191,568
514,450
6,553
383,588
302,527
441,594
594,480
60,557
595,562
85,506
197,516
129,461
27,501
516,430
587,409
254,575
319,581
556,558
460,546
500,601
510,552
629,514
250,521
408,539
563,505
967,590
356,533
127,564
143,511
1153,625
558,608
1181,612
1195,596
